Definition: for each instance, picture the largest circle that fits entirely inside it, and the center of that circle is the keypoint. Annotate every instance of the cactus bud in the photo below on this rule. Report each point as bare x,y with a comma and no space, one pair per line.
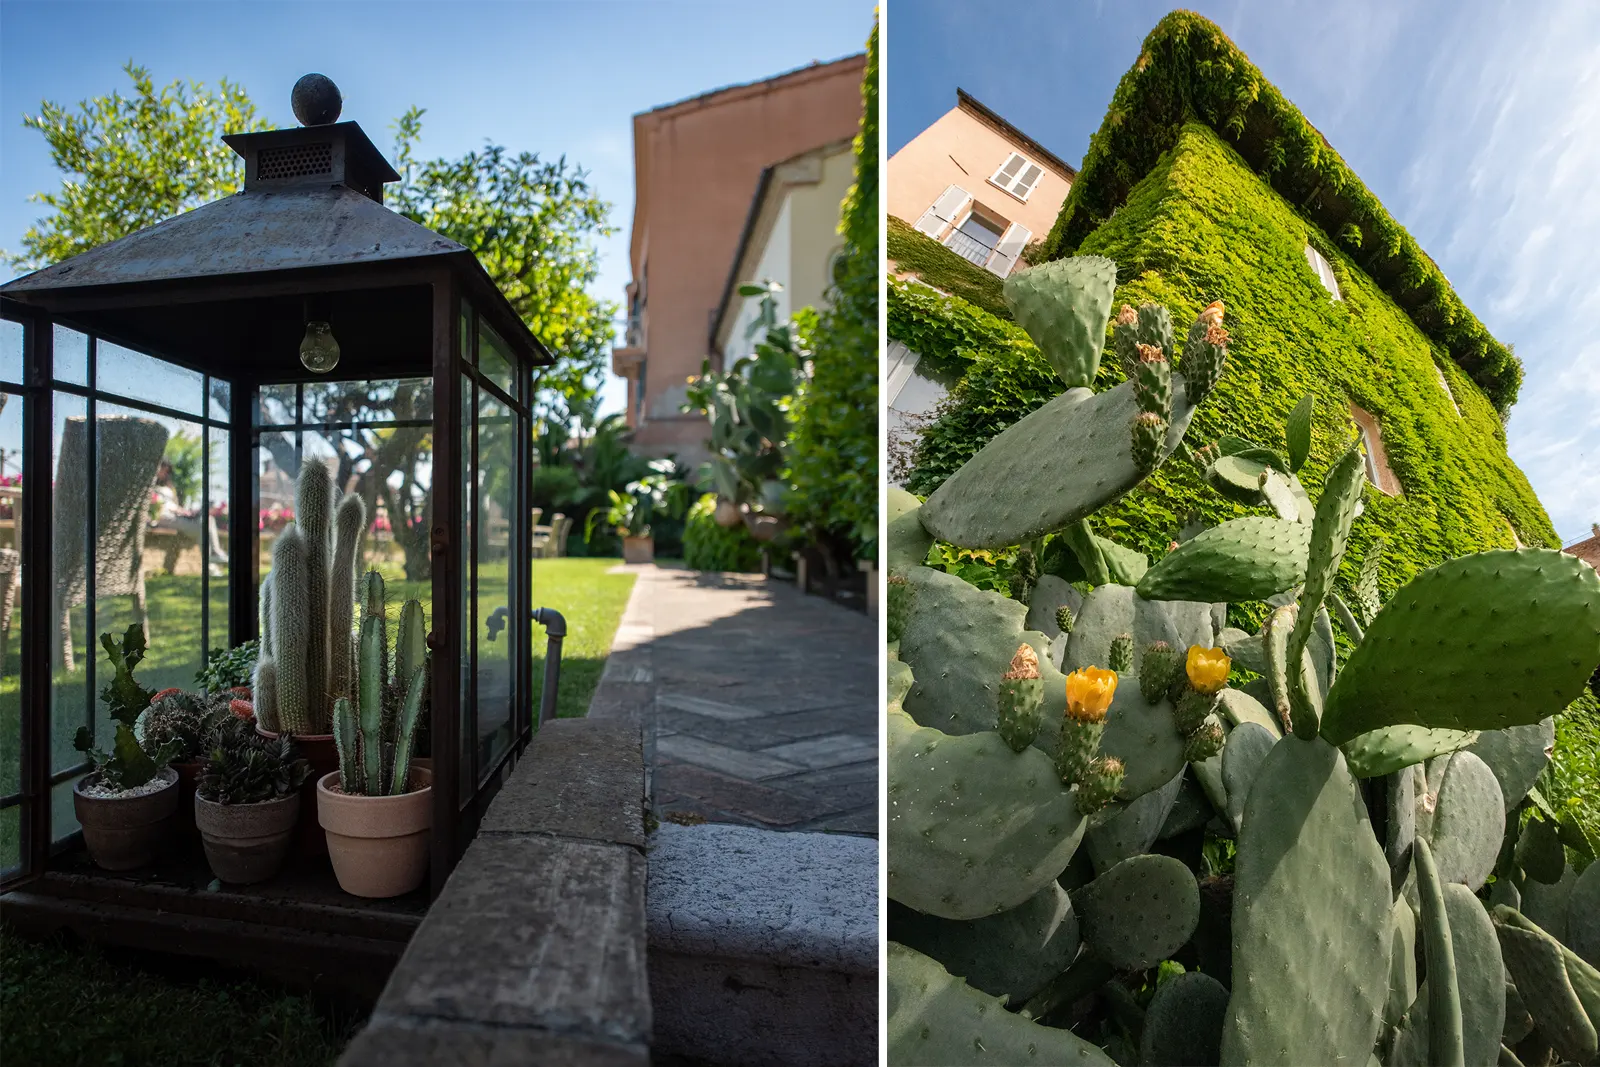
1207,668
1212,315
1099,785
1150,353
1206,455
1127,316
1191,710
1156,669
1152,385
1149,434
1205,351
1205,742
1064,619
1021,700
1121,658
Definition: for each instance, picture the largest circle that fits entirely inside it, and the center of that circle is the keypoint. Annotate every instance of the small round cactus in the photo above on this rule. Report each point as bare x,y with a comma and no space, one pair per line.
1064,619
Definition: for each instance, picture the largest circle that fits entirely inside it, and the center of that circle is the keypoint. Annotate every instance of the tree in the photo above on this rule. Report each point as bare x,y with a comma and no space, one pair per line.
133,161
532,224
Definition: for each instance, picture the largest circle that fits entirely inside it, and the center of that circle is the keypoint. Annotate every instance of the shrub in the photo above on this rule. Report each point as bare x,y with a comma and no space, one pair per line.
709,547
941,268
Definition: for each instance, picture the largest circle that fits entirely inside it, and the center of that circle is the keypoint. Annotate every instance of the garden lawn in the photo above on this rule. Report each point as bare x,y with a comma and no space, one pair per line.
64,1005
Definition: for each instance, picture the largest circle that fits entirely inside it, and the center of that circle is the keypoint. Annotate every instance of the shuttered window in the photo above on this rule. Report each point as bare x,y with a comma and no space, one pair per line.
951,205
1017,176
1009,248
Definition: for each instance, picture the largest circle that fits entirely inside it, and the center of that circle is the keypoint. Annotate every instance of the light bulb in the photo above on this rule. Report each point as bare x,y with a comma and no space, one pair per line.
319,351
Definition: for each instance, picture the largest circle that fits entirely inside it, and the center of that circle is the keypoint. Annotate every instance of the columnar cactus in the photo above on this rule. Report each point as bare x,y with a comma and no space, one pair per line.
1369,804
374,742
306,605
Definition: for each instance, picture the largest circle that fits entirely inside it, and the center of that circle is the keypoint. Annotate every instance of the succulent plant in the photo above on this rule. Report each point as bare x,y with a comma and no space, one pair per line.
130,763
242,767
186,718
376,736
1367,814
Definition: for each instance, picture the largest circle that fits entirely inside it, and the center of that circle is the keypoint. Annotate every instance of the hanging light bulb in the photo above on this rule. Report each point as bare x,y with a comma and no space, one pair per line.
318,350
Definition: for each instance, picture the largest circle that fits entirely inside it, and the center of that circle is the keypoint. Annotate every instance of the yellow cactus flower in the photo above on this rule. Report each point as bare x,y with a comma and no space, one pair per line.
1207,668
1212,315
1089,693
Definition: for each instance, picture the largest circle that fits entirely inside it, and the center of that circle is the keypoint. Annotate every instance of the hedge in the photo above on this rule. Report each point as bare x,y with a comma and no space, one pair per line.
1188,71
1202,225
933,263
946,331
833,446
709,547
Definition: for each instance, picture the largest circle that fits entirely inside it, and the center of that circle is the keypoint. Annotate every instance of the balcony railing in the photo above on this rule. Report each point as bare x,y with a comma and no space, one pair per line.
968,248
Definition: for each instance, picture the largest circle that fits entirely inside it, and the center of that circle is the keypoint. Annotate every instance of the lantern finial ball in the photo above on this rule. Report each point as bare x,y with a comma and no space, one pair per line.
316,100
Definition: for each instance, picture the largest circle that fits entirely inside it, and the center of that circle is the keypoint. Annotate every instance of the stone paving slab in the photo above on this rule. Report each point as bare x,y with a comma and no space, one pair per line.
758,688
579,778
404,1042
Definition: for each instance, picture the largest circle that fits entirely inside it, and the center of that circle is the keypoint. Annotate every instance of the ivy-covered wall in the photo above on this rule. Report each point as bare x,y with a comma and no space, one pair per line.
1203,225
913,252
1189,71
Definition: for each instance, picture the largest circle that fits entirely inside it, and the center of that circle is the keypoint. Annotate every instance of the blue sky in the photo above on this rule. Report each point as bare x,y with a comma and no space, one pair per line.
553,78
1477,123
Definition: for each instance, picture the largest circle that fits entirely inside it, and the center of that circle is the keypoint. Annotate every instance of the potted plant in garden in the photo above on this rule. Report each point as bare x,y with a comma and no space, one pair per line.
247,801
185,718
125,805
633,509
377,807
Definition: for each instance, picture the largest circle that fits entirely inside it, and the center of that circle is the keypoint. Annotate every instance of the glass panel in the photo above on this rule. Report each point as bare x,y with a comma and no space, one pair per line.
495,359
150,533
63,819
276,406
216,535
71,704
155,381
10,838
11,339
466,331
221,398
11,613
495,581
277,463
468,717
71,356
377,401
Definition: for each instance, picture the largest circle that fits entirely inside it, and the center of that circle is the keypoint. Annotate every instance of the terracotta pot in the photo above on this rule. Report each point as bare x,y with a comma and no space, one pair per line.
247,843
323,756
638,549
122,833
726,515
764,527
183,820
379,845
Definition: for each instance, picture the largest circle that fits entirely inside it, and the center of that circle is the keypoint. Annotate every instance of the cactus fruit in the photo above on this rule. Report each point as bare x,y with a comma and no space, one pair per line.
1203,742
1149,434
1191,711
1064,305
1205,351
1155,328
1518,646
1099,783
1157,669
1152,384
1064,619
1021,699
1121,659
1089,693
1024,575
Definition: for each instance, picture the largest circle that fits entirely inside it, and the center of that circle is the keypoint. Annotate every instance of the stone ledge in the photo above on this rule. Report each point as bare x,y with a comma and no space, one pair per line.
580,778
780,899
390,1041
538,933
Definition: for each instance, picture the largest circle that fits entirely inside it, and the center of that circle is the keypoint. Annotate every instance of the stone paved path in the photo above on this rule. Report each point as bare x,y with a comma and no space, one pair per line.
765,701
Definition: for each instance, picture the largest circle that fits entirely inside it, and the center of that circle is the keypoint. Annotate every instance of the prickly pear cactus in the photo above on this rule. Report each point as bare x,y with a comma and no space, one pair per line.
1304,835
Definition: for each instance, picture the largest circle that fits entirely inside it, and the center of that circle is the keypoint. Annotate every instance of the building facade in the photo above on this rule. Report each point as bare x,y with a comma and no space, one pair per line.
697,166
978,185
791,238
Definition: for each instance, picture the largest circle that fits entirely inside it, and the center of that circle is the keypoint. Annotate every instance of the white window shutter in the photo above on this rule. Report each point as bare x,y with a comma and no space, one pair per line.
944,211
1025,184
1012,242
1324,272
1008,171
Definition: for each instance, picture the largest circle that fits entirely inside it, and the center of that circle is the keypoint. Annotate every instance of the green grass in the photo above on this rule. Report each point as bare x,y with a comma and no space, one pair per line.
591,600
64,1005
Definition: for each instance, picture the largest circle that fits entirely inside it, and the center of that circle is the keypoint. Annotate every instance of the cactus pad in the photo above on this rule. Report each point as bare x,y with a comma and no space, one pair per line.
936,1019
1238,707
1484,642
1050,595
1050,469
1517,755
1480,973
908,541
1463,818
1246,750
1583,915
1243,559
1132,829
1012,954
1139,912
1539,967
1184,1021
974,828
1305,819
1065,305
1385,751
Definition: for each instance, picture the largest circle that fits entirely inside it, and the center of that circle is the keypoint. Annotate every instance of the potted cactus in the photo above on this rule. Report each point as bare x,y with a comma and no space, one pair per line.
186,718
247,800
377,807
305,662
1242,852
126,804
